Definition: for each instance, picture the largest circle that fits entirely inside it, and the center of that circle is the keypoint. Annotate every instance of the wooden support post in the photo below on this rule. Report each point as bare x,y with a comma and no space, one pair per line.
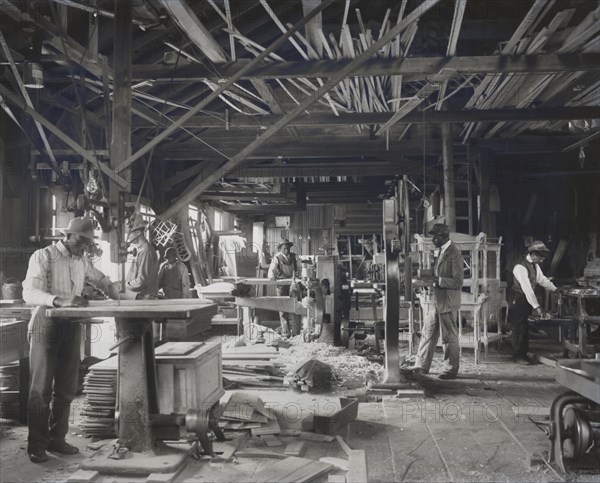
120,147
448,155
484,192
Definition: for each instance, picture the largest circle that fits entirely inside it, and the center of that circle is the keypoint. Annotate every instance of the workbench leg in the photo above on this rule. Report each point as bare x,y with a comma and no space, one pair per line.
137,397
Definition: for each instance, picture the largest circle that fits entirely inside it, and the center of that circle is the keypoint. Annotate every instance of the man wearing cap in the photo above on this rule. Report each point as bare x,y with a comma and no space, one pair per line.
142,278
285,265
55,278
173,277
447,280
522,300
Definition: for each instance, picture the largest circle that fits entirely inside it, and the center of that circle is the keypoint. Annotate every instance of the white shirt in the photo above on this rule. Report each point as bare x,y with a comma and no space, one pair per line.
54,272
520,273
438,252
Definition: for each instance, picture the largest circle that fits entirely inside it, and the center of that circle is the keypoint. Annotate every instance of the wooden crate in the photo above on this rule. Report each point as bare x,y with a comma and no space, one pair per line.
189,376
184,328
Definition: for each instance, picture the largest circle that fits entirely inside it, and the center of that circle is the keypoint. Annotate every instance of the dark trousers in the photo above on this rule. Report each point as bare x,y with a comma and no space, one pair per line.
54,356
518,312
284,317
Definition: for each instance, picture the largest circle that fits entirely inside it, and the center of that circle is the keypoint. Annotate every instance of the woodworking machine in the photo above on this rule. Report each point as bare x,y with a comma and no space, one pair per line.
575,417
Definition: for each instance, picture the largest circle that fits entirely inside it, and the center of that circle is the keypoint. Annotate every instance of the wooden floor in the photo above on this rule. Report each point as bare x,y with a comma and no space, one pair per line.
464,430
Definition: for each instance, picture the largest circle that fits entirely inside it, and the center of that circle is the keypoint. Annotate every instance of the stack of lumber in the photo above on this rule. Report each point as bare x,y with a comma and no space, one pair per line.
245,411
252,366
310,374
100,390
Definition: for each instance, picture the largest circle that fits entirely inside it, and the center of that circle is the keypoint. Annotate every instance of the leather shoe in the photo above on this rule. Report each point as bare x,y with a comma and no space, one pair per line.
415,370
448,375
38,456
63,448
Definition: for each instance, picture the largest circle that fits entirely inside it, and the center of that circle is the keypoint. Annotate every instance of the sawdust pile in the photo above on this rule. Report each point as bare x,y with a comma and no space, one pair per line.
349,369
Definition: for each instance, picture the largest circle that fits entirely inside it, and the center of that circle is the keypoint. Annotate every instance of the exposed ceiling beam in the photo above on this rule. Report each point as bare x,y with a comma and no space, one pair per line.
189,23
266,208
364,147
329,169
428,117
236,160
222,87
25,95
412,67
14,99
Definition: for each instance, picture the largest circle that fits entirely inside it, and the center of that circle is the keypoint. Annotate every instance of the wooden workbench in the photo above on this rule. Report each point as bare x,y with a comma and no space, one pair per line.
136,309
137,392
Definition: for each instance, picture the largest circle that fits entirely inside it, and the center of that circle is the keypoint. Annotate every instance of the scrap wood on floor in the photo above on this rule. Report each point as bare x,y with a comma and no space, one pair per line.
244,411
253,366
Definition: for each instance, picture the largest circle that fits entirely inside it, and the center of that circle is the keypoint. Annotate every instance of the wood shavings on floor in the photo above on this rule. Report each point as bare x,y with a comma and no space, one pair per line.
349,369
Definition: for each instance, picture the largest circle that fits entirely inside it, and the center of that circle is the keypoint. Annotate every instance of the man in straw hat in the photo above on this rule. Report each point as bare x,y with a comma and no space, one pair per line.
285,265
446,281
522,300
142,277
55,278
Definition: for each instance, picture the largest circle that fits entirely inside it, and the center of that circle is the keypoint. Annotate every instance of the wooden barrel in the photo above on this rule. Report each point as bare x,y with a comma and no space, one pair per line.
12,289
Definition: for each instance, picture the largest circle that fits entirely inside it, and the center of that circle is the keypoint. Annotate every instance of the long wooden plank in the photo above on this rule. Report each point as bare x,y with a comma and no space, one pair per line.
138,311
357,466
278,471
185,17
236,160
309,472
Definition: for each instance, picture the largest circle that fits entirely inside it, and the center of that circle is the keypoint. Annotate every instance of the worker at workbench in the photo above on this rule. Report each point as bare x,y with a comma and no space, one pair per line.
142,278
522,300
55,278
173,277
285,264
446,280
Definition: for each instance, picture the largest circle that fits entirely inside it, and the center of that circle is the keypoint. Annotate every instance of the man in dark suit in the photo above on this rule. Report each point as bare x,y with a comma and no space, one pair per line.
446,281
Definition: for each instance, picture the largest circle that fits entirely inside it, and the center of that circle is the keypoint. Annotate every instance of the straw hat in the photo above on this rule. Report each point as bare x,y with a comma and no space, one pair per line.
81,226
283,242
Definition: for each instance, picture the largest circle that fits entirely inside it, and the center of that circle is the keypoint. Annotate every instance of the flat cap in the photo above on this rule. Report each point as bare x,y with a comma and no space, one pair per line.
538,246
439,229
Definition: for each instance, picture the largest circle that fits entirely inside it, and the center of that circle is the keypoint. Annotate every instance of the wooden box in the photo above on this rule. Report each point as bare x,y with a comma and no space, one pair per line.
189,376
185,328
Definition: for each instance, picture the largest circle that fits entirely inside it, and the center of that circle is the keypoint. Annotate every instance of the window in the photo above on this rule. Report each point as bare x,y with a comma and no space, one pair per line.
54,227
194,220
258,233
218,221
147,213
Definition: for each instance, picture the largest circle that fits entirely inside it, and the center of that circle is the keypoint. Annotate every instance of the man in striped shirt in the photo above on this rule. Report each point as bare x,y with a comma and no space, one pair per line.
55,278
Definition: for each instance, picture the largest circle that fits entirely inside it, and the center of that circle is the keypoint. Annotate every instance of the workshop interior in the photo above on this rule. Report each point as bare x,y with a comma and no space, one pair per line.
300,240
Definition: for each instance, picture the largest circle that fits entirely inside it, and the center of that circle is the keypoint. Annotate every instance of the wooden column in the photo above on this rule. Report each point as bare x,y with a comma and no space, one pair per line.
484,192
448,155
120,146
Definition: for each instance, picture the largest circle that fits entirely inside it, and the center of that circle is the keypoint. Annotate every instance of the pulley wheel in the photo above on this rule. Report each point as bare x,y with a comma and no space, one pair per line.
577,432
345,332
